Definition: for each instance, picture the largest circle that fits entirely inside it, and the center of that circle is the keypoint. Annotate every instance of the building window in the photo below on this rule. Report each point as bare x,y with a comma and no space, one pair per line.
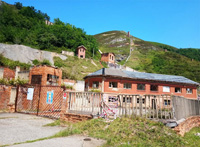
166,89
177,90
113,84
129,99
189,90
95,84
140,86
138,100
112,57
167,102
154,87
127,85
112,99
52,79
36,79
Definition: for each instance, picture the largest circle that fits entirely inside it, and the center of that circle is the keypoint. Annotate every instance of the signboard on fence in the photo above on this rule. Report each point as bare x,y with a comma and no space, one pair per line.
49,97
30,94
65,96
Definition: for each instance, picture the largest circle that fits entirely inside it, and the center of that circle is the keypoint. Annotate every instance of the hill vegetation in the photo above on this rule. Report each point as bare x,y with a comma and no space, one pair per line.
75,68
154,57
26,25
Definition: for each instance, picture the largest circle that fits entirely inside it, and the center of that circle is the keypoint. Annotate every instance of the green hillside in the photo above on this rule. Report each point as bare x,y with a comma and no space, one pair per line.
152,57
26,25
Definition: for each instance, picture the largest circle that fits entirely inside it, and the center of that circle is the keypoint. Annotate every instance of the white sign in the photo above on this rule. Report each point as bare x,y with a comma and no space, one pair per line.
166,89
30,93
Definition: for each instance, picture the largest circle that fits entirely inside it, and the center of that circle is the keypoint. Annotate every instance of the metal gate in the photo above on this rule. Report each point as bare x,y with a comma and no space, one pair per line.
39,100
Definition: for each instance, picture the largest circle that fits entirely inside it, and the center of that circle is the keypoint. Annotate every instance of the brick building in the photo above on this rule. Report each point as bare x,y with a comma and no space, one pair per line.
128,82
108,57
81,50
7,73
45,75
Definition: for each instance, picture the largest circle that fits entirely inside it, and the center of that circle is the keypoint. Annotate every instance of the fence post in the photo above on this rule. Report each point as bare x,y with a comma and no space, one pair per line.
140,102
126,106
93,102
16,99
38,107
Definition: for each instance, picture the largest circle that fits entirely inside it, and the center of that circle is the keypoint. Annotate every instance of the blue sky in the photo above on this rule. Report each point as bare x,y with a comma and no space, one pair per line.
173,22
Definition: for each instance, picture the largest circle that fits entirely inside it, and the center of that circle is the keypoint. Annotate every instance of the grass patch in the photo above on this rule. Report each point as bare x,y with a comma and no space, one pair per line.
75,68
191,138
126,132
57,123
7,117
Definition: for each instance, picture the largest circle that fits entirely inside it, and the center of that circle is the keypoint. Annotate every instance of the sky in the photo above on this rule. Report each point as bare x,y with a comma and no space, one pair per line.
172,22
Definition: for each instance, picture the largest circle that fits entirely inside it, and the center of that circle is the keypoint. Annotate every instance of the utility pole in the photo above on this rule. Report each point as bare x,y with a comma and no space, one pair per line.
93,52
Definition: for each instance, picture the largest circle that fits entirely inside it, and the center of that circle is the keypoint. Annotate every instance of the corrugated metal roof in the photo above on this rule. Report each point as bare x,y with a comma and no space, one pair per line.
142,76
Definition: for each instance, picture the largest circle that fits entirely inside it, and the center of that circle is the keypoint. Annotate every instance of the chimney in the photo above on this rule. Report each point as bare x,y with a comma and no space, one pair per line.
128,34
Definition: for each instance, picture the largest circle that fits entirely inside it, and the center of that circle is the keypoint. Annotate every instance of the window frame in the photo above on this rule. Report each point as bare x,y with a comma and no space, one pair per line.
112,83
177,91
152,86
188,91
141,84
126,86
97,83
167,102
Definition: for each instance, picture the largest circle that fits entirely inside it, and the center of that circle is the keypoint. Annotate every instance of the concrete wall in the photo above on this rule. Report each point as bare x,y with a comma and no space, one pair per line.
68,53
24,75
80,86
1,72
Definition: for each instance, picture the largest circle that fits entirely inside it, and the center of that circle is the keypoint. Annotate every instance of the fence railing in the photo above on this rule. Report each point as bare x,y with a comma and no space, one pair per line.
84,103
149,106
184,107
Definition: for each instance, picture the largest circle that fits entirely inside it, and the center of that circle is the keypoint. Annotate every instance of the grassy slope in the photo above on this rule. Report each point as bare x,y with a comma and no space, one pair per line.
127,132
150,56
75,68
106,45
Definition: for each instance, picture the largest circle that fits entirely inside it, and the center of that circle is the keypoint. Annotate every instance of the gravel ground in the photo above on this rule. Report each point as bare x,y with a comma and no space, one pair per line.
16,128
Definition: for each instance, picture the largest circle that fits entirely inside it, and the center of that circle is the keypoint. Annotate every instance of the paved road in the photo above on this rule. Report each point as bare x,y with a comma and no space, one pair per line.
15,128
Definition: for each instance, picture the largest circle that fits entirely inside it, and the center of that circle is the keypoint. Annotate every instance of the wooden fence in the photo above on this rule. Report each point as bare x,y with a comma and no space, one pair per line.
149,106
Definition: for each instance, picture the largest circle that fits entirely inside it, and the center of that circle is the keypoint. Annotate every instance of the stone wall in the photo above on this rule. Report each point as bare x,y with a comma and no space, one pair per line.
187,125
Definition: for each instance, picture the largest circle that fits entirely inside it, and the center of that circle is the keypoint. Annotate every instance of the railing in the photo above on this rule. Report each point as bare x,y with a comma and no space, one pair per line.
149,106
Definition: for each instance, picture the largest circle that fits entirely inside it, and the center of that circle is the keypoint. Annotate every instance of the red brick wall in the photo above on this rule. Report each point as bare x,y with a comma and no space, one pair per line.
40,94
5,92
44,71
8,73
133,90
70,117
81,52
187,125
108,58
